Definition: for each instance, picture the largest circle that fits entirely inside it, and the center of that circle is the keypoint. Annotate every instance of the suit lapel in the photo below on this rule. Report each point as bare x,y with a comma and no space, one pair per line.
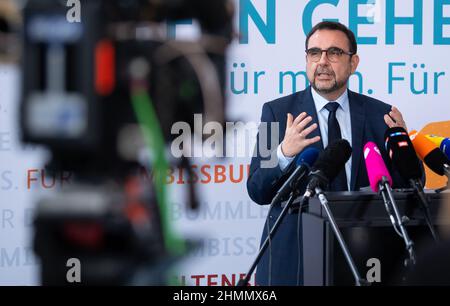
357,115
306,104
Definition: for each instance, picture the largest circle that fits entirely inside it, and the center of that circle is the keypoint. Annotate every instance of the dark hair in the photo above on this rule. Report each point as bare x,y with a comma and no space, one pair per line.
336,26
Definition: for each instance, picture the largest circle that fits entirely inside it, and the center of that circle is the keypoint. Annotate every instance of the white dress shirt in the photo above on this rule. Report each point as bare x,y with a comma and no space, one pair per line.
343,117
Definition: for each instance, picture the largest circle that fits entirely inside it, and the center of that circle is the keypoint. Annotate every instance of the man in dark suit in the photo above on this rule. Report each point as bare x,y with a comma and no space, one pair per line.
324,112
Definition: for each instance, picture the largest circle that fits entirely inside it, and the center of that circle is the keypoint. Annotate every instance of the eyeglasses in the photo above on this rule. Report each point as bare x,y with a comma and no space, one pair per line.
334,54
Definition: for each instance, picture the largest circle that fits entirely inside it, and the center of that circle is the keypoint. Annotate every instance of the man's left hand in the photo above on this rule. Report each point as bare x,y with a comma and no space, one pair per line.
395,119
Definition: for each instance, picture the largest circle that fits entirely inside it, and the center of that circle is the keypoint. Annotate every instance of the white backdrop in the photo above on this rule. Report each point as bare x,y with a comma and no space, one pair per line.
228,221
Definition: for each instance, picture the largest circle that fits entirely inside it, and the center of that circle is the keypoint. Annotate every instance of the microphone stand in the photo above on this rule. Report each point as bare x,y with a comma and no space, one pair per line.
389,202
324,202
447,171
244,281
424,206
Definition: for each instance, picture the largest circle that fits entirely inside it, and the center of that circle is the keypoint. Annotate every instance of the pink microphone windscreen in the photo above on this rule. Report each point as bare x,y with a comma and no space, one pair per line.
376,169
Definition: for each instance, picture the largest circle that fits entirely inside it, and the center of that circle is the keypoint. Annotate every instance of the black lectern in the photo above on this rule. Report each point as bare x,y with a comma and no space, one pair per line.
368,232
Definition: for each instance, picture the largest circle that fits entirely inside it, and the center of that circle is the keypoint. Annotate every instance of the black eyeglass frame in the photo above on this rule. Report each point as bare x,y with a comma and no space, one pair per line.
339,51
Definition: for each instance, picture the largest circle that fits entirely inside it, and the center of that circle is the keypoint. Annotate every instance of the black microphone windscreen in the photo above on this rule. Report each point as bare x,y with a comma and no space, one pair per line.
333,158
402,153
435,160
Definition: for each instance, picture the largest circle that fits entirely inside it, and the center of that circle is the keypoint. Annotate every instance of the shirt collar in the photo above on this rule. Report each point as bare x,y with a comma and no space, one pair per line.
320,101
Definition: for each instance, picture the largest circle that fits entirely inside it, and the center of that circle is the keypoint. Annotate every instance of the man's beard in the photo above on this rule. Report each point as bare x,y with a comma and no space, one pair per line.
336,86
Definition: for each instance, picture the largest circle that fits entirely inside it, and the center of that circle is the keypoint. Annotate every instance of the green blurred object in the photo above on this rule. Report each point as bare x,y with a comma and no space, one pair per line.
146,116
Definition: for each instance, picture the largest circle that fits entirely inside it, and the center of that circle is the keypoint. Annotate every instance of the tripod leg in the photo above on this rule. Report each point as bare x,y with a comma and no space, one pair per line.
324,202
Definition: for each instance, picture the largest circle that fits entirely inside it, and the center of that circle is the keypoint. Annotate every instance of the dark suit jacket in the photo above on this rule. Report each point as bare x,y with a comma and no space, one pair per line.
367,124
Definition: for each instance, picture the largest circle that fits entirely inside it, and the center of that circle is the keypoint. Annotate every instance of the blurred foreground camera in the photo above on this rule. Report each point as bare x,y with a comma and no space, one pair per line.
102,95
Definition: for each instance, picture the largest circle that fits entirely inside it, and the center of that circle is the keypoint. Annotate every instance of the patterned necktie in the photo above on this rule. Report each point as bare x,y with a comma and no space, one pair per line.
334,134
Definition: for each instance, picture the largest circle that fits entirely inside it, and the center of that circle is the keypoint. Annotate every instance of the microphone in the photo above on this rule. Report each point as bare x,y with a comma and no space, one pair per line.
304,161
434,138
376,169
445,147
330,162
404,157
378,174
430,154
442,142
303,164
381,182
401,151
